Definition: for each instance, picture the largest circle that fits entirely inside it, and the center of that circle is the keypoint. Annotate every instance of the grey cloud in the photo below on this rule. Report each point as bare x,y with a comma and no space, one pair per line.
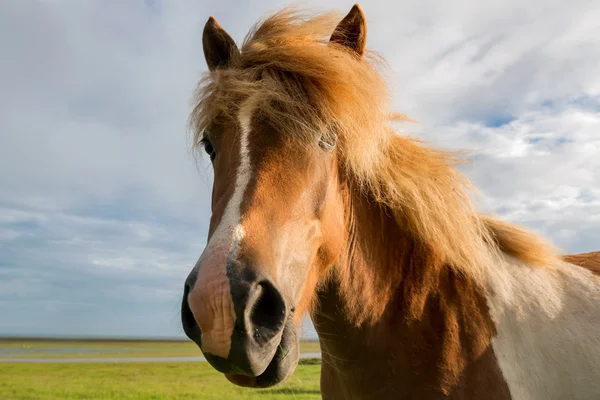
103,210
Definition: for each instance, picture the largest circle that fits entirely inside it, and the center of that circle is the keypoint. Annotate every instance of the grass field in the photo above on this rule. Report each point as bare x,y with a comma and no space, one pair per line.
138,381
156,381
61,349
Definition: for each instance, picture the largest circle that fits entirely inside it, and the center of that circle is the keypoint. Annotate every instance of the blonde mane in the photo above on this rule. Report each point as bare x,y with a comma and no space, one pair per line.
306,87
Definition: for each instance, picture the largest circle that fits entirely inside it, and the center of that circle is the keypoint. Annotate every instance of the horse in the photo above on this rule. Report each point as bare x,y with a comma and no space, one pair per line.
320,206
589,260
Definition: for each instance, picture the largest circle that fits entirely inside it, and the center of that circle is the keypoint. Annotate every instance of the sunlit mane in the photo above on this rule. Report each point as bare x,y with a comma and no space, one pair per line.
305,87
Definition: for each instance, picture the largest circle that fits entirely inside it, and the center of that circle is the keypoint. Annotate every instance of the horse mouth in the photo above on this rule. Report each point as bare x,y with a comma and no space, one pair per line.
281,366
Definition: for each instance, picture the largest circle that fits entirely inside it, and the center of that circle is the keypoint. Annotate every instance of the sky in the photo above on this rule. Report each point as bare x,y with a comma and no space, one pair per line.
104,210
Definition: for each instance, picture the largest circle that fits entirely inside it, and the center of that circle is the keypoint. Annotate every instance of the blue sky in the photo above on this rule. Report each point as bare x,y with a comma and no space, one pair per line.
103,210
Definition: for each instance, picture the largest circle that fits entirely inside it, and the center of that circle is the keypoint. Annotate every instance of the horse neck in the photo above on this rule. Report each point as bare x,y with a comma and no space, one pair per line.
392,317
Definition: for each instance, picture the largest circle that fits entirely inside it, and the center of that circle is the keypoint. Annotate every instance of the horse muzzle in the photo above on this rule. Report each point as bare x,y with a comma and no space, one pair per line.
241,322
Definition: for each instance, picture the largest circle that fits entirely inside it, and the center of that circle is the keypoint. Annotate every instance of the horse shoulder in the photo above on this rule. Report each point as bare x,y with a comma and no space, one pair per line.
547,321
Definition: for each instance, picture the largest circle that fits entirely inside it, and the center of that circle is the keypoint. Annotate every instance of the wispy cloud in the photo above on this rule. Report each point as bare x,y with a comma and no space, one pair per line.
103,211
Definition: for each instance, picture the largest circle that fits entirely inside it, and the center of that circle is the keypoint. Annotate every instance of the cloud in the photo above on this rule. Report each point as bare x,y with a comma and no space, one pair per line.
57,266
541,170
103,210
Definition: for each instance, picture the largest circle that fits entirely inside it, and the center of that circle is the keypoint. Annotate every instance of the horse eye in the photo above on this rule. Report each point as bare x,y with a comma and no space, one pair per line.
208,148
328,142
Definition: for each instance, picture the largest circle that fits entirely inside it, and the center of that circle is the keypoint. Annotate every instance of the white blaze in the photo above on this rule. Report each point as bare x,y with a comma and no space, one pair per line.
230,231
218,305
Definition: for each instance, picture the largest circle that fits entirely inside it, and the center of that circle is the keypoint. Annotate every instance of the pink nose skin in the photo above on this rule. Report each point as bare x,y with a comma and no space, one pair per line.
212,306
236,316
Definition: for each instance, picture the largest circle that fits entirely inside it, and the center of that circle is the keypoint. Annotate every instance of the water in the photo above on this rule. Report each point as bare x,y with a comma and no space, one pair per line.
27,350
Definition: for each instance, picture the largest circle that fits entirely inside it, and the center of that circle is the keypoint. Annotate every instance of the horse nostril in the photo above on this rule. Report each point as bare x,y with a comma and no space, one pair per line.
190,326
267,313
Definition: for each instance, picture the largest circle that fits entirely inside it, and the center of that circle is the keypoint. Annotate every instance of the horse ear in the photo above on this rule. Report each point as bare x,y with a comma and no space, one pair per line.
352,31
219,48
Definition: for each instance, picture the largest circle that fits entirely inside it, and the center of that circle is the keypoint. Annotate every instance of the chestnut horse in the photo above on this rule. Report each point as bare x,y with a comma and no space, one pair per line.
319,206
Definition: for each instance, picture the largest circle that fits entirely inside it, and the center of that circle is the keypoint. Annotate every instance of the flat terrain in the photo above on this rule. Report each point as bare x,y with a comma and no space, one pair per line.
141,380
108,349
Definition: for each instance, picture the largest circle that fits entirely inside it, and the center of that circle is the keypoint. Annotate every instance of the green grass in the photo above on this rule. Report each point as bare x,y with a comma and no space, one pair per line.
195,380
108,348
154,381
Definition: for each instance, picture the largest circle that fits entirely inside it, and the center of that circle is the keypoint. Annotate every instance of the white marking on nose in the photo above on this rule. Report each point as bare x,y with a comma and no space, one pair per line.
212,302
230,228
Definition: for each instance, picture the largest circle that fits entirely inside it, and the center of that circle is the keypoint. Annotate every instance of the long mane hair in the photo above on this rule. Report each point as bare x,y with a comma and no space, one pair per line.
307,87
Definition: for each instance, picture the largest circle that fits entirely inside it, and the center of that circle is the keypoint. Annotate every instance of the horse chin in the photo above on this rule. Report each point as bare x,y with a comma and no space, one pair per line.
281,367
